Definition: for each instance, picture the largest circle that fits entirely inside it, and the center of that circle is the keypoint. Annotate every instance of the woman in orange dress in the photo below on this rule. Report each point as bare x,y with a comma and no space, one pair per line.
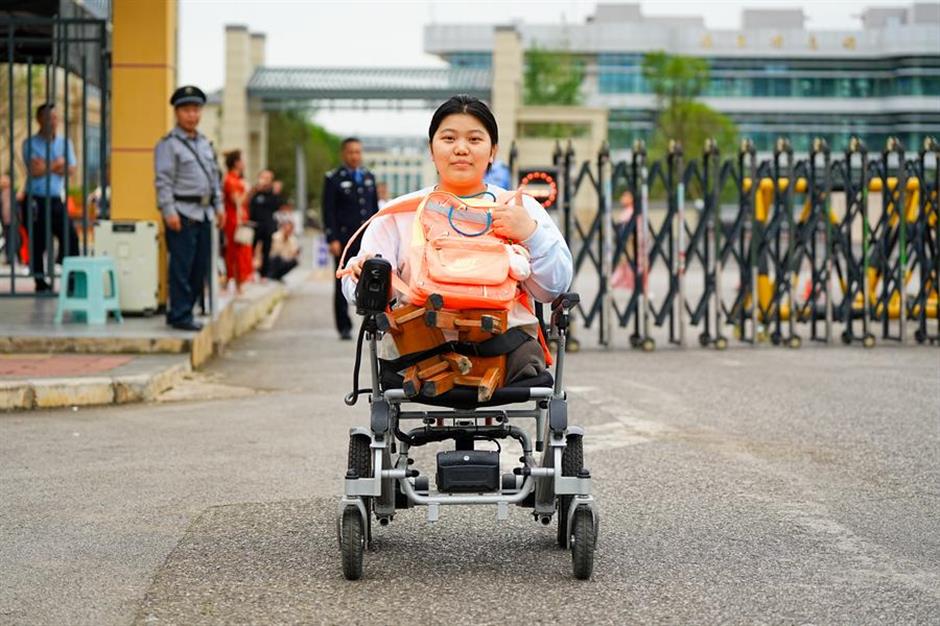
237,256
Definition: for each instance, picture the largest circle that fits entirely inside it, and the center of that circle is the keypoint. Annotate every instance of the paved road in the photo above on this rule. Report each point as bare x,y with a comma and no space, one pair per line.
747,486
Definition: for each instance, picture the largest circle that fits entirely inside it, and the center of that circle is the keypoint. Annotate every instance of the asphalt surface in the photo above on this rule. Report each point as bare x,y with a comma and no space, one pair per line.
753,485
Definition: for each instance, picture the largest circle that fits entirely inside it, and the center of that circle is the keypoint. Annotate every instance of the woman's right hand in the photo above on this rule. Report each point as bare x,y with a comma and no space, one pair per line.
354,267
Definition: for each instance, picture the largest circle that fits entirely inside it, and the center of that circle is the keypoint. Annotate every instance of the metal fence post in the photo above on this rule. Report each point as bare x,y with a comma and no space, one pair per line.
604,193
678,239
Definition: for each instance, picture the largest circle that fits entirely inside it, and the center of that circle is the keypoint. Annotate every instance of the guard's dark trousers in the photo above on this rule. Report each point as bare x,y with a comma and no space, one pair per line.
61,224
189,250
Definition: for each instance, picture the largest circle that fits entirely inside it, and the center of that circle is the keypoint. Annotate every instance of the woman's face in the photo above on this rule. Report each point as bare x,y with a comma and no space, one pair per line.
461,149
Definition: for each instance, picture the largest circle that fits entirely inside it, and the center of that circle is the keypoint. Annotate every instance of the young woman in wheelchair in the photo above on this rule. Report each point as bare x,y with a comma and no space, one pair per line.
428,354
463,138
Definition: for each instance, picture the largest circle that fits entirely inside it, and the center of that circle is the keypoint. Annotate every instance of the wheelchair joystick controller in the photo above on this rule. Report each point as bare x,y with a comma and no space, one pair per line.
374,287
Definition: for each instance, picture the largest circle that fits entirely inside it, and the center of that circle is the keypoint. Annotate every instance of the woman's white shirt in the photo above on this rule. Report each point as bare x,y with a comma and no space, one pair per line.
390,236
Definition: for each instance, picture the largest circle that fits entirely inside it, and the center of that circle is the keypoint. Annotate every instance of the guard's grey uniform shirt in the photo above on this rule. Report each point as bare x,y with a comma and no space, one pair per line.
178,173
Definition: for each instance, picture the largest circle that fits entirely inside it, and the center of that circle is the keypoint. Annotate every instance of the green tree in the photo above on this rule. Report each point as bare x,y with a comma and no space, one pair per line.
677,82
552,78
287,129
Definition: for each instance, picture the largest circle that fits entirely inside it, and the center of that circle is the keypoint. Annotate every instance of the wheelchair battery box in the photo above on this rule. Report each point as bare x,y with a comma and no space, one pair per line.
467,471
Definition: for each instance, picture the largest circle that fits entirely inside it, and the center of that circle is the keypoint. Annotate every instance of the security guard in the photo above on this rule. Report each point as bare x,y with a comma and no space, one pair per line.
187,181
349,199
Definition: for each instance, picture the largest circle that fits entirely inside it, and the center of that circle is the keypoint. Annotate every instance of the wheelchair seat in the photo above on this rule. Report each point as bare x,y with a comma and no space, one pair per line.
465,398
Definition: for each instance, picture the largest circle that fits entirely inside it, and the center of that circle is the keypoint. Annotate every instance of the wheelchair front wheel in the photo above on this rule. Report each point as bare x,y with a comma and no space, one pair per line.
352,542
583,541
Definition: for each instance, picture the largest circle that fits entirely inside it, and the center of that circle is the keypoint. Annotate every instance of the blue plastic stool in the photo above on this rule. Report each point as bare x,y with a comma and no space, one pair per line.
89,286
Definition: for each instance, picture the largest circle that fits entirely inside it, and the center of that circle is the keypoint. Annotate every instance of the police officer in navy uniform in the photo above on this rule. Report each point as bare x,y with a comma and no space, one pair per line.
188,194
349,199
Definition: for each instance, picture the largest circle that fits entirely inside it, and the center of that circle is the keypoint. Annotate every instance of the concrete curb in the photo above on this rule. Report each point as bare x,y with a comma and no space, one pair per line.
95,345
89,391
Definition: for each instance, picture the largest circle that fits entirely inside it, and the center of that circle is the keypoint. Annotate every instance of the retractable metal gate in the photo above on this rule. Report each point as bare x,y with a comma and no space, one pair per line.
780,249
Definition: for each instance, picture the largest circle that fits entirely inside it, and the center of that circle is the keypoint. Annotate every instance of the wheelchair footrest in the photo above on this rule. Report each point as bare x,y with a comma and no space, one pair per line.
468,471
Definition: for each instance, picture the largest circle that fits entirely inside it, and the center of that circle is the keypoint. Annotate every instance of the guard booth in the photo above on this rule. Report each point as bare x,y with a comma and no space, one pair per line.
52,51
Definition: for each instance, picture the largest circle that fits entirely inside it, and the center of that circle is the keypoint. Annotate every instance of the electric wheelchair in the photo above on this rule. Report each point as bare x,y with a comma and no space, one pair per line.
550,478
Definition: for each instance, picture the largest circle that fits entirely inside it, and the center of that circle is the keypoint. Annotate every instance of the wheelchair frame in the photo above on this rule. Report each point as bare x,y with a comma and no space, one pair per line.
540,485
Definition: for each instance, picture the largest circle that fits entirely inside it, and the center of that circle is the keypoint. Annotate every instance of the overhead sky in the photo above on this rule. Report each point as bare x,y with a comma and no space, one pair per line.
389,33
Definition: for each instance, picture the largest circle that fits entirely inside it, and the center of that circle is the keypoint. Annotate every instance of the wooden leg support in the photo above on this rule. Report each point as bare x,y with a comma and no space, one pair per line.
458,362
439,384
488,384
433,369
411,384
444,320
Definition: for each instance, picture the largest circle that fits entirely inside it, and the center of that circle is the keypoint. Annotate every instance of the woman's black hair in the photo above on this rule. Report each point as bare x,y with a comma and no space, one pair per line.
469,105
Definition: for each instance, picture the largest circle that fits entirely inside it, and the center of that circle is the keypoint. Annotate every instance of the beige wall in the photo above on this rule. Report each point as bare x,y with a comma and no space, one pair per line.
211,125
508,67
244,126
238,68
143,78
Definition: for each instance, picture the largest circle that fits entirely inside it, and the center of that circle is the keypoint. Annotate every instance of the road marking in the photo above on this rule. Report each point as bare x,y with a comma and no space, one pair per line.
611,436
581,389
644,427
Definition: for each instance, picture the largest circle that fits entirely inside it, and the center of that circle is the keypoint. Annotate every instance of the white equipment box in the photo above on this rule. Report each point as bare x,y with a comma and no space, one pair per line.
134,246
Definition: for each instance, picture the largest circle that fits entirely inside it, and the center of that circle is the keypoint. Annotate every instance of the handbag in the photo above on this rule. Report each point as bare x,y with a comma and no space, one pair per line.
244,234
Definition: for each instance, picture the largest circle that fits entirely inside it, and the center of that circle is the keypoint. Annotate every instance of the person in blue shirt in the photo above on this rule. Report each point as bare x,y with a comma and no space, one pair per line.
49,159
499,175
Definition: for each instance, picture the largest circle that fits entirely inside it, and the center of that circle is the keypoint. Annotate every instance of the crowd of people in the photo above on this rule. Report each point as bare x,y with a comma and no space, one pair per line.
193,197
259,241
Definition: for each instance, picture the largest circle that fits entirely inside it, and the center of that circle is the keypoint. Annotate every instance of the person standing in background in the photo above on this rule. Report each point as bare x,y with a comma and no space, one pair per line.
237,254
262,208
349,199
188,194
49,158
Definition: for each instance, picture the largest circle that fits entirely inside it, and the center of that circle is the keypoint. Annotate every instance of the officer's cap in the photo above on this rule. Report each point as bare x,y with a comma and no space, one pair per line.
188,94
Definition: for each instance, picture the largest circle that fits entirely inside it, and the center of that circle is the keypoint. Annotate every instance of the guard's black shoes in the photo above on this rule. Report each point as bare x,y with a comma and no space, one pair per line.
192,325
42,286
345,335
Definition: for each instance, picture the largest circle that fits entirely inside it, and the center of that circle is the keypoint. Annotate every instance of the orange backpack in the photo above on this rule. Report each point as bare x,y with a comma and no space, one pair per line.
453,253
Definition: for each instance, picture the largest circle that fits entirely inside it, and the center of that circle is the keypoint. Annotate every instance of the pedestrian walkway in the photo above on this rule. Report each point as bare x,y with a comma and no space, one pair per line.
44,365
18,366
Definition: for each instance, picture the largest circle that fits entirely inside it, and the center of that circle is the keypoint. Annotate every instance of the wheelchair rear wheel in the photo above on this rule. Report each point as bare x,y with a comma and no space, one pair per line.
572,460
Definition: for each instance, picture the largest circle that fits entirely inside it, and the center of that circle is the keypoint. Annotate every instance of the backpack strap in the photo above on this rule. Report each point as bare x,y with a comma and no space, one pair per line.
524,300
494,346
403,206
